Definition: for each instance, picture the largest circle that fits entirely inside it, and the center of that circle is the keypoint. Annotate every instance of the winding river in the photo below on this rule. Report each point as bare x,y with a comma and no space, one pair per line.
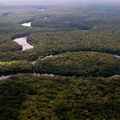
34,73
23,41
7,76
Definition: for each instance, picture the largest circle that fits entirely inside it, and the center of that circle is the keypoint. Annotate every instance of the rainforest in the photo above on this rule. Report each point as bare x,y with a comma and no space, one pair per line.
72,70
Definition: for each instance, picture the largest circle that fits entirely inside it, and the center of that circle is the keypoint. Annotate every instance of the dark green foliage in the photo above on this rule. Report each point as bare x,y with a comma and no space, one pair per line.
16,67
60,30
60,42
27,96
80,64
10,46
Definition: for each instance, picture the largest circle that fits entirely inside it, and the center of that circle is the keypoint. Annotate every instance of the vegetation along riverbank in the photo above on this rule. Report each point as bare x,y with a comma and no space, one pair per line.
76,44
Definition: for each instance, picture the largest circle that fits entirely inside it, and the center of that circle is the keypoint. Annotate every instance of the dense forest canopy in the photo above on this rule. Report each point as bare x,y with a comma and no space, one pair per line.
25,96
78,42
93,28
80,64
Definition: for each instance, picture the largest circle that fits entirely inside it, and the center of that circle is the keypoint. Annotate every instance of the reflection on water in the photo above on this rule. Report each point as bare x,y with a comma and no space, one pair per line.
27,24
115,75
4,77
117,56
22,41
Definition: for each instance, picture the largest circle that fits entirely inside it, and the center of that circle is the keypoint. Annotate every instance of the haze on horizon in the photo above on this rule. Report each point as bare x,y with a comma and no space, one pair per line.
44,2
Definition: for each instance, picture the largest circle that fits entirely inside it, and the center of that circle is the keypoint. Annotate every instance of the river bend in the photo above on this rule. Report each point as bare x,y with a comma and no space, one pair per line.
23,41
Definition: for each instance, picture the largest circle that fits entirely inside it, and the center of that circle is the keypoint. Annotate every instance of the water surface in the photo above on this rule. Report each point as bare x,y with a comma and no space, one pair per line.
27,24
4,77
23,41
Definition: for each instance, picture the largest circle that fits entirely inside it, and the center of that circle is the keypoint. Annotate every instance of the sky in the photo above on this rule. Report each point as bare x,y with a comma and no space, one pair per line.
8,2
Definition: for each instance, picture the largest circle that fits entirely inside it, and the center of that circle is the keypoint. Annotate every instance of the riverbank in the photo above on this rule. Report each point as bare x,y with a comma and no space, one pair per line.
68,64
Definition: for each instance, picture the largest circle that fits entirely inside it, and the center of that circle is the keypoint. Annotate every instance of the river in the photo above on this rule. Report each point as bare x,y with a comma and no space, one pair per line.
4,77
7,76
23,41
34,73
27,24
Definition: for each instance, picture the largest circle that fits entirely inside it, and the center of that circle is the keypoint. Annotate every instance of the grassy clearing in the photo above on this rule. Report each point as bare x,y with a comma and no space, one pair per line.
12,61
